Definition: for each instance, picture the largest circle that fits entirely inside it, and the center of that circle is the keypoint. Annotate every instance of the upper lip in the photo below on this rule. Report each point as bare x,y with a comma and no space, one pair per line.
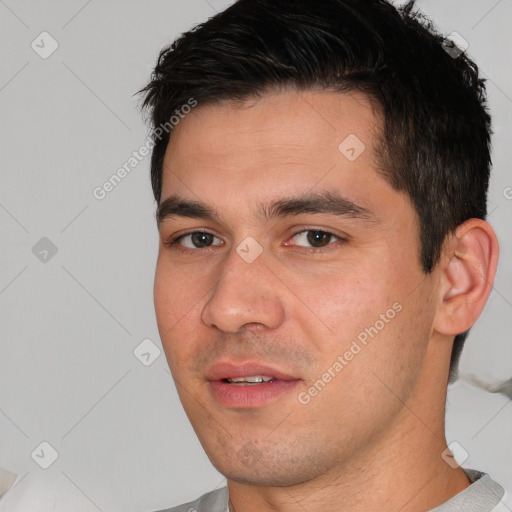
235,370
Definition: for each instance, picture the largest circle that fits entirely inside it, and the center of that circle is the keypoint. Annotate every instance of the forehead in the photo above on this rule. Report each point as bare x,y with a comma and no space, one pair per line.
310,120
287,143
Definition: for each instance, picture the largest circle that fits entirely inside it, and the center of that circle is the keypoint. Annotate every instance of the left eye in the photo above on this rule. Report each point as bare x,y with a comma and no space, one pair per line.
315,238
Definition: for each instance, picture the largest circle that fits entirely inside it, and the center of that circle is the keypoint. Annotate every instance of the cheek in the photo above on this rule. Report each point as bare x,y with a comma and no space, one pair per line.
365,308
165,290
176,292
344,301
177,301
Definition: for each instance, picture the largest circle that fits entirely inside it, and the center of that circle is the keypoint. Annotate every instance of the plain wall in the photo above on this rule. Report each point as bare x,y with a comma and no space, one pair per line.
69,324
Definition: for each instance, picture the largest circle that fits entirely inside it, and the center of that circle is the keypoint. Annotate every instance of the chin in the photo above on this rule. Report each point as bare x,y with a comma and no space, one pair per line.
276,471
252,477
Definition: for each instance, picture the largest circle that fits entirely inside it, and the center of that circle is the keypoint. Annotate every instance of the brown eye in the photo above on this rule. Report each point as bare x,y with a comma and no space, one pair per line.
319,238
315,238
201,239
198,240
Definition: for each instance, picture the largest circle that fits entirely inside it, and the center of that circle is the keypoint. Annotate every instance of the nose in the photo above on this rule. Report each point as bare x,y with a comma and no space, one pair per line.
245,293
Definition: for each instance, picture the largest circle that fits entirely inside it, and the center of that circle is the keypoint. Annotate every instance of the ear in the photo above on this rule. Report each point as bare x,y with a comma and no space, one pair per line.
468,266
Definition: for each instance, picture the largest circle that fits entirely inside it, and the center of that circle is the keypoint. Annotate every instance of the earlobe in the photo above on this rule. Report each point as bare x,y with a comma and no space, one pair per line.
468,268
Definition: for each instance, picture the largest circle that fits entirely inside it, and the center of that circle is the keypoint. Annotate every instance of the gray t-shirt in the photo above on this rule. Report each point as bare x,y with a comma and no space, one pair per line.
483,495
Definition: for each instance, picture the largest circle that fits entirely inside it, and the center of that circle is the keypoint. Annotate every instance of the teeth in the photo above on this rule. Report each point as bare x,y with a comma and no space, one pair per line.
256,379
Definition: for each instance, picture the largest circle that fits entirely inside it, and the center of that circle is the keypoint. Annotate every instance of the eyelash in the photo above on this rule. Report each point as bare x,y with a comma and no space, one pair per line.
175,245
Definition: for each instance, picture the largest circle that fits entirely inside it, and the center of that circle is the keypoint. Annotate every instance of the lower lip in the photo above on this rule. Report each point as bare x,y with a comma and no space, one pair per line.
248,397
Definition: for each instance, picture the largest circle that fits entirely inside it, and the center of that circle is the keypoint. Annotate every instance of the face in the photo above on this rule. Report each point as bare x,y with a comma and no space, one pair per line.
286,258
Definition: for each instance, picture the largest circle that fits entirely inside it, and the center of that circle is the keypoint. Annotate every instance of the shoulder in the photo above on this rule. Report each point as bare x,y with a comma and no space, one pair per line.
214,501
483,495
505,505
495,493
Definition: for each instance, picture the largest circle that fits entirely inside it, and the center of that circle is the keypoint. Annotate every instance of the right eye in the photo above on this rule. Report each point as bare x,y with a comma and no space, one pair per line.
196,240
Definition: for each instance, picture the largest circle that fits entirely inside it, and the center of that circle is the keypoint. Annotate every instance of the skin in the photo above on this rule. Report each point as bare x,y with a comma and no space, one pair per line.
372,438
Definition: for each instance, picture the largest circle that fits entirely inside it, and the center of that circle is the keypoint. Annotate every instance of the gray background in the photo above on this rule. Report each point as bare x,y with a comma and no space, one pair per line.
69,325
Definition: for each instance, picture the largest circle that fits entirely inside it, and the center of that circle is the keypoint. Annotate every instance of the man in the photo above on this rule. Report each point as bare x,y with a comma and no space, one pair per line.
321,171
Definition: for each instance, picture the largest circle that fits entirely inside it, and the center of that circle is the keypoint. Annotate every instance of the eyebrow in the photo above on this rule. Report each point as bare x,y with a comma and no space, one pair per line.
318,202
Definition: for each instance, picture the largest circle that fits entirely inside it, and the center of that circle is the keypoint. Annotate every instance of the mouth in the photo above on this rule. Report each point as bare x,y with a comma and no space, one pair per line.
249,381
248,385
